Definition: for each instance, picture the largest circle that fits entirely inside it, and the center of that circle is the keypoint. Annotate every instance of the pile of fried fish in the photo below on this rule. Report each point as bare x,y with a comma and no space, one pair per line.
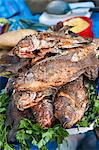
48,70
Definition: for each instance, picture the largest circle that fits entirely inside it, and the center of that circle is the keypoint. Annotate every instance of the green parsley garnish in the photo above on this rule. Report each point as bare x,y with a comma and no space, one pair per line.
39,136
92,113
4,100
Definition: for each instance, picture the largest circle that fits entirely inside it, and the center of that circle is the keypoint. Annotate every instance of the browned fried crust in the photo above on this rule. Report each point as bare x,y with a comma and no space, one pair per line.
57,71
70,103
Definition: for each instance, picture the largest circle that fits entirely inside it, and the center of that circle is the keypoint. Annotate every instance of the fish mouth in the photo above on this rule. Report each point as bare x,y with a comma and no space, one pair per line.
64,121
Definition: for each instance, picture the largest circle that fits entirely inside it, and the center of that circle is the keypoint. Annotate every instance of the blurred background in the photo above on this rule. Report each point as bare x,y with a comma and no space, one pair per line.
40,5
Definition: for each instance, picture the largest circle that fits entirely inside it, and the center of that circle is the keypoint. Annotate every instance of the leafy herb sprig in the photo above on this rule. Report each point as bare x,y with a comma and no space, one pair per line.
92,113
39,136
4,100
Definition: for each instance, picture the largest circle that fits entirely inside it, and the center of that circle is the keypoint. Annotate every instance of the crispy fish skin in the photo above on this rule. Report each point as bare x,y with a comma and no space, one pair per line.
41,104
58,70
46,40
70,103
92,72
43,113
25,99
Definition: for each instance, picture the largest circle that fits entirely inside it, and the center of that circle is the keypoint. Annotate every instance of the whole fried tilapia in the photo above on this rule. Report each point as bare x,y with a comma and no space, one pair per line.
41,104
70,103
44,42
58,70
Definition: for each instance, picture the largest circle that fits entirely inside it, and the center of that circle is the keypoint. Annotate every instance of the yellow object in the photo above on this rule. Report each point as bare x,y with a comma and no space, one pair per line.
5,74
78,24
3,20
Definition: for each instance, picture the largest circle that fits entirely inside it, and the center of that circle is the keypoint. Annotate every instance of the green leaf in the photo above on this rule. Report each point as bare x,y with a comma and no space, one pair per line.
37,128
7,147
2,110
44,148
41,143
97,103
1,144
23,124
48,134
59,140
29,131
34,142
21,136
93,110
